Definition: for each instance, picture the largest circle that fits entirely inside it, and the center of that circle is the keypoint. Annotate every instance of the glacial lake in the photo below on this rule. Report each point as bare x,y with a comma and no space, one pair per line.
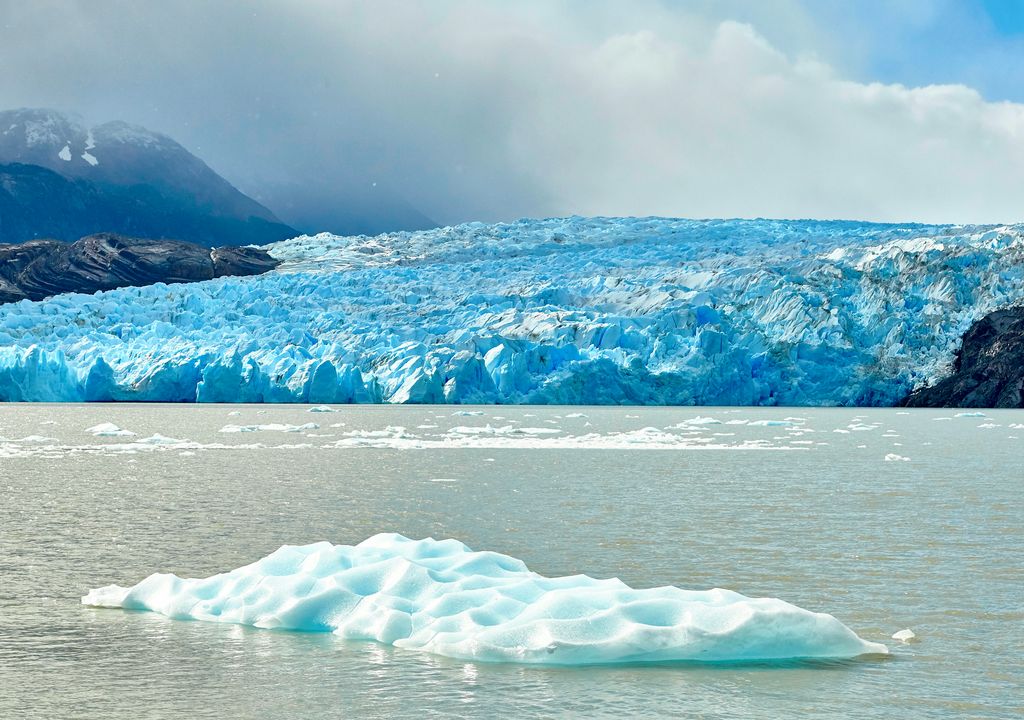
886,519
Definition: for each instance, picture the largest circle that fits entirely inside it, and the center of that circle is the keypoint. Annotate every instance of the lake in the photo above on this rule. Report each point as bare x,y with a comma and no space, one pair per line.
887,519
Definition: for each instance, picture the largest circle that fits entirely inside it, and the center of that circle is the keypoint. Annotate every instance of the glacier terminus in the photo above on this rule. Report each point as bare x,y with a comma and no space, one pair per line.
569,310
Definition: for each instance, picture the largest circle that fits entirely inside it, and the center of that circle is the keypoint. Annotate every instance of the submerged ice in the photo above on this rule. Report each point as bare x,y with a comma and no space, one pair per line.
573,310
441,597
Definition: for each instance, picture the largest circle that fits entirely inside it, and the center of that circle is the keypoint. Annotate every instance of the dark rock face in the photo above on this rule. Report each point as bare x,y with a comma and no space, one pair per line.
41,268
989,369
59,179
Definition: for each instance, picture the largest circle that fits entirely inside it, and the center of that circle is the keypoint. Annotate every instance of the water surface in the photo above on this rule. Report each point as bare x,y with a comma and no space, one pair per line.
887,519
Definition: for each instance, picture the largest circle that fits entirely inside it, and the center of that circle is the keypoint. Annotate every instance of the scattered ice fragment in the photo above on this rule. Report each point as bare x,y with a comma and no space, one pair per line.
771,423
65,153
443,480
893,457
322,409
158,439
108,430
271,427
35,439
233,413
573,415
971,414
467,413
905,635
439,596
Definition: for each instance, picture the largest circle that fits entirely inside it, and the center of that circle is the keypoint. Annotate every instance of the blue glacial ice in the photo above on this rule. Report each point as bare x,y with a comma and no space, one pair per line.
572,310
441,597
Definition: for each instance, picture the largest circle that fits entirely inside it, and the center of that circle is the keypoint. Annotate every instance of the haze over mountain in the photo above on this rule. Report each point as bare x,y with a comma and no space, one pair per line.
61,179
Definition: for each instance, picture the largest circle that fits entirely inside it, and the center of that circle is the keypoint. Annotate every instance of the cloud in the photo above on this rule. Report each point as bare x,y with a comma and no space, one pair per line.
491,110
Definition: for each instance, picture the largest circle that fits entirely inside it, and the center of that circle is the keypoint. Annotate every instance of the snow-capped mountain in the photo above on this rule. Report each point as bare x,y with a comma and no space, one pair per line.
119,178
573,310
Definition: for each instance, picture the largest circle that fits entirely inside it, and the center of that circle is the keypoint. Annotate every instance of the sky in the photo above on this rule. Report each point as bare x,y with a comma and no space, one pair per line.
383,114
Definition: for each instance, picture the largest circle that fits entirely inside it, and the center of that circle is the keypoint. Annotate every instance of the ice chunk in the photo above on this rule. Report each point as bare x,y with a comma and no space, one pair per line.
158,439
905,635
973,414
108,430
322,409
270,427
893,457
439,596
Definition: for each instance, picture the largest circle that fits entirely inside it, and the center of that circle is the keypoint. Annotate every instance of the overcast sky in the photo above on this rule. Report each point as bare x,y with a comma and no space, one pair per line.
463,110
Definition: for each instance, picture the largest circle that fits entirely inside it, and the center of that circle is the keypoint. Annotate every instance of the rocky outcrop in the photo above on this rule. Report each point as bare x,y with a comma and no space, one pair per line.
989,369
41,268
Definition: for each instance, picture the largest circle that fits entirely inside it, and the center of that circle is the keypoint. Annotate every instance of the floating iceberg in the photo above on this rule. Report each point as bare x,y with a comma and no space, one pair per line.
571,310
441,597
108,430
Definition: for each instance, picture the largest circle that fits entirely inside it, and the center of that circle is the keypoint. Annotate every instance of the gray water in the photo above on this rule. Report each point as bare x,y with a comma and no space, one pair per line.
819,518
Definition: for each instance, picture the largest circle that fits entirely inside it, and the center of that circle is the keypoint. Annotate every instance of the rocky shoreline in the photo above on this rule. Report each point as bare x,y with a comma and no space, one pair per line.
988,370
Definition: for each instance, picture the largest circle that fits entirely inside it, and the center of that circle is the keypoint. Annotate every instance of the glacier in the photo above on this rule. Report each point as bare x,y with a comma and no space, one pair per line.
439,596
567,310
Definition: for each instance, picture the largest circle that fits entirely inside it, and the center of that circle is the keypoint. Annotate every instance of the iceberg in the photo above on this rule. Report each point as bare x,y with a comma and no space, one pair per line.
439,596
558,311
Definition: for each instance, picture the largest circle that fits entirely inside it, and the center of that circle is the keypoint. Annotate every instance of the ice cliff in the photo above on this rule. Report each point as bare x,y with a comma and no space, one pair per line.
441,597
572,310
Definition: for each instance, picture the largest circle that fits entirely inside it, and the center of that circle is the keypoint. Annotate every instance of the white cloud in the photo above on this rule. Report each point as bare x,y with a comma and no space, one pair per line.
494,110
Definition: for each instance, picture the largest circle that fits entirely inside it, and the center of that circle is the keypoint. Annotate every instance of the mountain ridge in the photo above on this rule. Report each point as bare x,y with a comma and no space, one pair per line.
117,177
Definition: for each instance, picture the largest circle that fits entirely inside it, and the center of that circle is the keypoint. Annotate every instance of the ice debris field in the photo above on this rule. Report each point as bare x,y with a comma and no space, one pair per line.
885,438
572,310
441,597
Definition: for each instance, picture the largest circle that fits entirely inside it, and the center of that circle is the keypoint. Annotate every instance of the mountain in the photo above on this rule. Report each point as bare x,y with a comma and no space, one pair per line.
63,180
562,311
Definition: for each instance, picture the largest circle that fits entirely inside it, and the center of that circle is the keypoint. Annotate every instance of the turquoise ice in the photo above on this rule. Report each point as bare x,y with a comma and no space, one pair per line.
572,310
439,596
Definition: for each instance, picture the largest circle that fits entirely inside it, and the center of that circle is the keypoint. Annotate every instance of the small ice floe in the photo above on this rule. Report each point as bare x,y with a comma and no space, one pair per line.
893,457
272,427
971,414
48,422
467,413
573,415
234,413
904,636
444,480
321,409
940,419
35,439
158,439
108,430
770,423
186,453
699,420
989,425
